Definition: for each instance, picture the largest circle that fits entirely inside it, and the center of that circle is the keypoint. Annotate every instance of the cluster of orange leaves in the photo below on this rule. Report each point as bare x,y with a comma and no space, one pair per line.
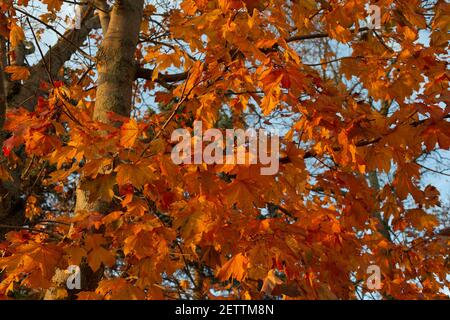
318,233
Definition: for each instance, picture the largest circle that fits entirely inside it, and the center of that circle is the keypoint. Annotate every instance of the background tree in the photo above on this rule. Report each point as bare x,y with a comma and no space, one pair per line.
87,177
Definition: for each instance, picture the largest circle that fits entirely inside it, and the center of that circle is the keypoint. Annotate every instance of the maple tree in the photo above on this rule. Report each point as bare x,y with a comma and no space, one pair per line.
87,178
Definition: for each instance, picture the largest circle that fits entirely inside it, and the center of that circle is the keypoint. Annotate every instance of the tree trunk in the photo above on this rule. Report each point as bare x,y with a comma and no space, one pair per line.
10,201
2,85
103,14
117,71
116,58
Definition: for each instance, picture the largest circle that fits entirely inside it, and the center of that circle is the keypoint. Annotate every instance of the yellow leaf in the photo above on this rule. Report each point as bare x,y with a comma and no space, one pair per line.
4,174
89,295
142,244
270,282
129,133
100,255
97,254
18,72
55,294
136,174
75,255
100,188
136,208
189,7
53,4
32,209
119,289
421,219
16,35
235,268
242,193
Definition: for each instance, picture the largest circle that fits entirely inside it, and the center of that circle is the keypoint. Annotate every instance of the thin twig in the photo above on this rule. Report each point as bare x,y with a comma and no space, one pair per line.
3,226
85,54
47,69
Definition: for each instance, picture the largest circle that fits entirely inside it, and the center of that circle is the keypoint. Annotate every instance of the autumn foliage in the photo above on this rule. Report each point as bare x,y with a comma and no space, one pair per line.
88,180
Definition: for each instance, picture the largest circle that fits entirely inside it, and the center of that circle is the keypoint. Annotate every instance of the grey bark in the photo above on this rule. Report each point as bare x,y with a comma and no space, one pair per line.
117,73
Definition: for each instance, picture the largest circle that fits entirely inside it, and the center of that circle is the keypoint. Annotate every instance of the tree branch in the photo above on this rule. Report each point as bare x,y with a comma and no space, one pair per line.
147,74
67,45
